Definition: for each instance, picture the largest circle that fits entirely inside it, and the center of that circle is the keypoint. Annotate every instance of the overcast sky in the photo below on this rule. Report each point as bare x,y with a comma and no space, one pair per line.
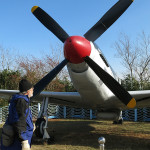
21,31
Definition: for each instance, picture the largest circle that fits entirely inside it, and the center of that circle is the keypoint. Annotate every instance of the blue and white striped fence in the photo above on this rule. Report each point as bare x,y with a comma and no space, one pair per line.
55,111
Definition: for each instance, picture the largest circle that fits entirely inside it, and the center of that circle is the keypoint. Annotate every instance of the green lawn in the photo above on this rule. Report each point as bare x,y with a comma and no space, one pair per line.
83,135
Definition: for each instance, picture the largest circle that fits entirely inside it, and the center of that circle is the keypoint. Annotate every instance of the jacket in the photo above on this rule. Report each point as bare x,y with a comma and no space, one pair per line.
18,109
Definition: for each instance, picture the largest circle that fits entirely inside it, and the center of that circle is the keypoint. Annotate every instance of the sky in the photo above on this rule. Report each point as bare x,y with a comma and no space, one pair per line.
21,31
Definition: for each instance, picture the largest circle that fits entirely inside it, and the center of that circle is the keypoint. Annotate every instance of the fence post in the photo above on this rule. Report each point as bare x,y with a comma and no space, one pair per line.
91,116
135,114
64,111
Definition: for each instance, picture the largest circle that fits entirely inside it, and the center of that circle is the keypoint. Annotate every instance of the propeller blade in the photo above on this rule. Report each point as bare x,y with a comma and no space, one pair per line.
38,87
49,23
111,83
107,20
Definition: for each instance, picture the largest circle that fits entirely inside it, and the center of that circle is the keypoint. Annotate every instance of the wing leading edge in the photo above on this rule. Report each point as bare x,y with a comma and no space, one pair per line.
74,99
60,98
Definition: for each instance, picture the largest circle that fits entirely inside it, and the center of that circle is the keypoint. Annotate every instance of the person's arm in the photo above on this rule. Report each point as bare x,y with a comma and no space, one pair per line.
20,125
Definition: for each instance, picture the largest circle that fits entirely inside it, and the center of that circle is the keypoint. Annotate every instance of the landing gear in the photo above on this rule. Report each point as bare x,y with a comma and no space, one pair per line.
41,123
39,132
120,119
118,122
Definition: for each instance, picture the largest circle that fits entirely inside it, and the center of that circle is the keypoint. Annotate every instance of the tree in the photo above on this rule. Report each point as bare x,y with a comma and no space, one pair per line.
142,63
68,85
126,83
9,79
35,69
135,57
127,53
7,58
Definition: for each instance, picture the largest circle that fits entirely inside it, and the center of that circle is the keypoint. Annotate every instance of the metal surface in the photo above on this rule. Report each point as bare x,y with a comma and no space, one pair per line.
101,141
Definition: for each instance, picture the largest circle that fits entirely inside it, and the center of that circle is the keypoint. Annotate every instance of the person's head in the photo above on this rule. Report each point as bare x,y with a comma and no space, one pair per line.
26,88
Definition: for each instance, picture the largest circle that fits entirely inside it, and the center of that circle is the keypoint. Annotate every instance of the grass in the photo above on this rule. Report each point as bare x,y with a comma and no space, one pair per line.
83,135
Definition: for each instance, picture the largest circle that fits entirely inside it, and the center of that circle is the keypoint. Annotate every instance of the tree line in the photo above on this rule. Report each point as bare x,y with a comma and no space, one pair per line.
33,69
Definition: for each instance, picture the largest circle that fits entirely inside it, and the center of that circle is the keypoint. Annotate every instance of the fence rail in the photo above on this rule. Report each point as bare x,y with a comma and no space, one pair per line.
55,111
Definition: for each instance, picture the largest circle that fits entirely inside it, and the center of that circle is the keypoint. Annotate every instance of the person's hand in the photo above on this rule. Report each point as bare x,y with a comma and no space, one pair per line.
34,127
25,145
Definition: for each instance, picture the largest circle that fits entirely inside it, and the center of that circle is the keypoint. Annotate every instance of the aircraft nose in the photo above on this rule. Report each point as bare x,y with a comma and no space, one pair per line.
76,48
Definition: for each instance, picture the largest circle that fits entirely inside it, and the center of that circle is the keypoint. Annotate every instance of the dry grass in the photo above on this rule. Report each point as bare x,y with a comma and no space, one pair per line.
83,135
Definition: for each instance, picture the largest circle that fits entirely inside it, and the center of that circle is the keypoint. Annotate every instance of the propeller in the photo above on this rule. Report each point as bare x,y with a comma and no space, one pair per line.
107,20
49,23
111,83
80,50
39,86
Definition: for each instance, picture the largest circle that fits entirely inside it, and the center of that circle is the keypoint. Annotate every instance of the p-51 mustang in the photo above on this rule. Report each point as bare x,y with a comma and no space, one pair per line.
89,71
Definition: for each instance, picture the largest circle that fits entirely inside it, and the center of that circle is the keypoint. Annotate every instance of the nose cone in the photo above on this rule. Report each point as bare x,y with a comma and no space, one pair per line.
76,48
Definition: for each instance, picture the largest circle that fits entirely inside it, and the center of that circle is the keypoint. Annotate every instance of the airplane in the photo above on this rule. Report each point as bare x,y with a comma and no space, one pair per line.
89,71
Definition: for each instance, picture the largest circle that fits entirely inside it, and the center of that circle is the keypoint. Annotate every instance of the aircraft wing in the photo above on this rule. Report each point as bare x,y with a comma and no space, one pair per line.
75,100
142,97
63,98
60,98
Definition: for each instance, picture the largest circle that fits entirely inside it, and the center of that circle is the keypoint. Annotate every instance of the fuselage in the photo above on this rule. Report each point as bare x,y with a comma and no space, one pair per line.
92,90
